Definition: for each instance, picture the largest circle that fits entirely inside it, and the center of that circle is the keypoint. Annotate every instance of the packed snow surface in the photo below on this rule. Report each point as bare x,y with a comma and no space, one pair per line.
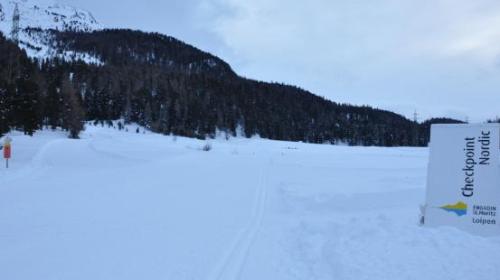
127,205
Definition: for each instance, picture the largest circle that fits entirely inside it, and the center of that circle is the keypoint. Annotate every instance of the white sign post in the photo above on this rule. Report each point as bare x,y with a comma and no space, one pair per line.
463,182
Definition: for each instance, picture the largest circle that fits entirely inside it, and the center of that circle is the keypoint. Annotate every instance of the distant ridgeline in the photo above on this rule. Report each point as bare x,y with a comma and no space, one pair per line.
171,87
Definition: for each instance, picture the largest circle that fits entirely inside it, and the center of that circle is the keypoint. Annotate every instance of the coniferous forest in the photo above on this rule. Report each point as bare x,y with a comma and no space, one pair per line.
173,88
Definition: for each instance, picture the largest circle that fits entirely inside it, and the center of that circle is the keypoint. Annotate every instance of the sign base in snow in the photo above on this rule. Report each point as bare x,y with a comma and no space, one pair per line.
463,183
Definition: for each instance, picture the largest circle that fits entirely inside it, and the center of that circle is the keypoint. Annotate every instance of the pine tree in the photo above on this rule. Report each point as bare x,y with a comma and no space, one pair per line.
4,110
28,108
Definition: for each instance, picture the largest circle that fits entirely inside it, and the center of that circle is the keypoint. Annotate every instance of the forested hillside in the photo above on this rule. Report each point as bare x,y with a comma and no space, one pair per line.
171,87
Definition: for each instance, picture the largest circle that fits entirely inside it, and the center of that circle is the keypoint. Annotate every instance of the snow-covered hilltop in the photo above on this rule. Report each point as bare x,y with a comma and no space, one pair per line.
44,15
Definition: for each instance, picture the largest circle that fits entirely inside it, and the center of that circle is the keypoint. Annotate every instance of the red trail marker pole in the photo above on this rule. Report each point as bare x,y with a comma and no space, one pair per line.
7,150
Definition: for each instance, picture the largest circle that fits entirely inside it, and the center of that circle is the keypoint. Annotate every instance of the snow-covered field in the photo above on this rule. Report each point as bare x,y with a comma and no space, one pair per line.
121,205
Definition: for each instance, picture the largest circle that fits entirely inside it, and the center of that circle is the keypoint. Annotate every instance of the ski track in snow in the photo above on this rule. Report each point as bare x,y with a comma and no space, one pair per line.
232,264
37,165
122,205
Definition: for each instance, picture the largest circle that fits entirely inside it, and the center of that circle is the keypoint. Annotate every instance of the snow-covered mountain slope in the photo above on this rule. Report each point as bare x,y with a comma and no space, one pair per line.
42,15
46,15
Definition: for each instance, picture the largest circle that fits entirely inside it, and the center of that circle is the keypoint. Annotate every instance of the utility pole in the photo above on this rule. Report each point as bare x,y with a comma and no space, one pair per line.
14,37
16,27
415,129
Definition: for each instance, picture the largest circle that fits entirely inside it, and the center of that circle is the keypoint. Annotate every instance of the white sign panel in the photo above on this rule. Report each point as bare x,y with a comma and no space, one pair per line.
463,182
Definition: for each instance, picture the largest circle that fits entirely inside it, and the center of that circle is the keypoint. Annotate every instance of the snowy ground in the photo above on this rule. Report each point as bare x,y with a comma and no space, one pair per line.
121,205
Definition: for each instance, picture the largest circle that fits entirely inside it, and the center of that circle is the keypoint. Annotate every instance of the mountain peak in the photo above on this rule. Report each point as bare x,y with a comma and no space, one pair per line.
46,14
43,15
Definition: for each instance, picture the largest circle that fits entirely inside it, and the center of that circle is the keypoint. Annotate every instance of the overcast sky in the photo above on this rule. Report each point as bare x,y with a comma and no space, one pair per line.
438,57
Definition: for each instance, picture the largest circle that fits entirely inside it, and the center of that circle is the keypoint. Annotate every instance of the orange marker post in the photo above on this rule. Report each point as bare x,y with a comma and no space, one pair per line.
7,151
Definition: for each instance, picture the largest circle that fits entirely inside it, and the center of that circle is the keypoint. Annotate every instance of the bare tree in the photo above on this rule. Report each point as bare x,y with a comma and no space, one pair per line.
73,114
